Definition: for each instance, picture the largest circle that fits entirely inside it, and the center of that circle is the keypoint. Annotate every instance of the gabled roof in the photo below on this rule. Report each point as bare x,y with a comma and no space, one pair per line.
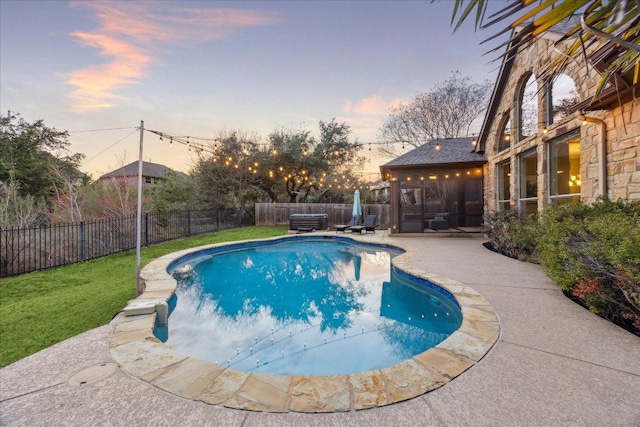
452,151
505,70
152,170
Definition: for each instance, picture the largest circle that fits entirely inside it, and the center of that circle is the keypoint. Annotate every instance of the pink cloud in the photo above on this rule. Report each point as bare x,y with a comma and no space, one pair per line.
131,33
366,115
373,105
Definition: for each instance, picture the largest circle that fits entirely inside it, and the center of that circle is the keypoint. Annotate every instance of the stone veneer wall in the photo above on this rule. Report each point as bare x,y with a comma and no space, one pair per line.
622,135
623,152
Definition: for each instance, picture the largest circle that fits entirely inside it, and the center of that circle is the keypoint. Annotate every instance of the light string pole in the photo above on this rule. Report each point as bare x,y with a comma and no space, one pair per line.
139,289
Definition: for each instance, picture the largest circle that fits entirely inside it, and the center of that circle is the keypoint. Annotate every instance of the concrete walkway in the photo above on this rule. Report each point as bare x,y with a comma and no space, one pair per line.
554,364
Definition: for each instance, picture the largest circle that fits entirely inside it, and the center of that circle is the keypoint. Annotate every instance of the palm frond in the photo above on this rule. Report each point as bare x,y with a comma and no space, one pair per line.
480,5
605,22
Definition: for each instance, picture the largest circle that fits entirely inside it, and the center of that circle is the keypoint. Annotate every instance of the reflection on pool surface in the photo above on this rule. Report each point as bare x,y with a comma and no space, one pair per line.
305,307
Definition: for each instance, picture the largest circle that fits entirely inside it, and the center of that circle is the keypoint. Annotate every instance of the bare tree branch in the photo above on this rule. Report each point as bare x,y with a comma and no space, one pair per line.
447,111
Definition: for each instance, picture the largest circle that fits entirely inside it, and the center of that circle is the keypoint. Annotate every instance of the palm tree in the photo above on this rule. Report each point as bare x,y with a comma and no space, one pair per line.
601,22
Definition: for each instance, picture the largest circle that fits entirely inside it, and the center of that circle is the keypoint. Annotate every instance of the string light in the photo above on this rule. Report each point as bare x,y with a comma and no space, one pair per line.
299,176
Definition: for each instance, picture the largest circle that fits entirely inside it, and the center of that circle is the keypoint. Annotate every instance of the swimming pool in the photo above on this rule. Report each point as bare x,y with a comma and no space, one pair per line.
309,306
133,345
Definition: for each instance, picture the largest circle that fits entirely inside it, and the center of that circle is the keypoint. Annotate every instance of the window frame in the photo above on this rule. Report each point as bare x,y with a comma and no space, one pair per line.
504,134
554,200
520,110
523,201
503,204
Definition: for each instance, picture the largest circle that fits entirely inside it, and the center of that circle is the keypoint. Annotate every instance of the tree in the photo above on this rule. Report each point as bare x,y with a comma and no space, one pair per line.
28,150
601,22
565,107
17,210
66,198
311,168
175,192
292,166
446,111
224,172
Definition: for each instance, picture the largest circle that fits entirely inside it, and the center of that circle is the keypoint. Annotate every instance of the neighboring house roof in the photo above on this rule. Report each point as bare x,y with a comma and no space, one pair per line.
452,151
152,170
379,185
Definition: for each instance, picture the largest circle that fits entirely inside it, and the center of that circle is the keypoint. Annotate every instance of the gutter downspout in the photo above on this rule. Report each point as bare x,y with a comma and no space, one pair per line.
602,152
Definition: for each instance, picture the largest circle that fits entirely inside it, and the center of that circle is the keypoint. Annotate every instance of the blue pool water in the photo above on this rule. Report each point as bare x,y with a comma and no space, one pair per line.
305,306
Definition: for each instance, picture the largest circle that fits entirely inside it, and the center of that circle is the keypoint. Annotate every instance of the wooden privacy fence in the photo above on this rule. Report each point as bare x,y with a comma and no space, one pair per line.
270,214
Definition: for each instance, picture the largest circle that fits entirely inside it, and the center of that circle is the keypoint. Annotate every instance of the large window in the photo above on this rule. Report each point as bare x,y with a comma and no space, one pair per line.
504,186
562,96
527,112
564,169
504,138
528,178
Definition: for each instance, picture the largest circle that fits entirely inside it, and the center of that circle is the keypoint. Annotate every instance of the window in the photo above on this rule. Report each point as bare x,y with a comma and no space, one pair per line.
528,177
528,109
504,139
563,97
564,169
148,180
504,186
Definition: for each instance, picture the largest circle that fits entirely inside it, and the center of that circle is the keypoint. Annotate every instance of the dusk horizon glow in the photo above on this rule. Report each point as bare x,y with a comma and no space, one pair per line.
202,67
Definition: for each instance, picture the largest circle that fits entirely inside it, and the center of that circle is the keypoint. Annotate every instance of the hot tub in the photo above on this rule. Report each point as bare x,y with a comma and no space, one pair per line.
308,222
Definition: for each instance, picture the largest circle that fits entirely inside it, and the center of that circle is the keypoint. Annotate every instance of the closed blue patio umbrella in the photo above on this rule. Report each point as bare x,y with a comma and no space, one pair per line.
357,208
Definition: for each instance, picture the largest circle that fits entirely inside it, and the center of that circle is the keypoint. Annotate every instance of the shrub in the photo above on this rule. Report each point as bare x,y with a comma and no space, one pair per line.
593,253
513,235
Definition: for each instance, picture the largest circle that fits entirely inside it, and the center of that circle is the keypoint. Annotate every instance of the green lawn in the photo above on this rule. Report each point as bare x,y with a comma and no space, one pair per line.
40,309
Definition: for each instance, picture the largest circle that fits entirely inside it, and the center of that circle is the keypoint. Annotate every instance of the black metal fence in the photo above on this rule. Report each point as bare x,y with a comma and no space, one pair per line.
23,250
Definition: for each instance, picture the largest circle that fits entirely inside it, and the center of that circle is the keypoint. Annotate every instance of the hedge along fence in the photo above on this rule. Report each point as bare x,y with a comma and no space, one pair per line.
272,214
23,250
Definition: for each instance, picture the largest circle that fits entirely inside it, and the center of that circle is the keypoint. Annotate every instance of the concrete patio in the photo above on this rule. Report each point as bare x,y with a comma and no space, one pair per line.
554,364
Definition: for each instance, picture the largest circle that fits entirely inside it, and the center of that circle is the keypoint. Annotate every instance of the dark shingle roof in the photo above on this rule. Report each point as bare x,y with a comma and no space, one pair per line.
452,150
153,170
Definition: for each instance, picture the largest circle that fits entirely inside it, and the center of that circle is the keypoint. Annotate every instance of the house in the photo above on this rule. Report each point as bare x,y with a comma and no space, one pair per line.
152,173
437,185
544,141
380,190
547,142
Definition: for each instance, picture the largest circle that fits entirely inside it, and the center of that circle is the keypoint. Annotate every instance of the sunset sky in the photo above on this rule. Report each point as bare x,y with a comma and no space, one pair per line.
201,67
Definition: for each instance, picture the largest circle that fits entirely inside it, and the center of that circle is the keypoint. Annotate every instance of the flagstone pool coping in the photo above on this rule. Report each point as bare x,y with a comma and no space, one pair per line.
135,348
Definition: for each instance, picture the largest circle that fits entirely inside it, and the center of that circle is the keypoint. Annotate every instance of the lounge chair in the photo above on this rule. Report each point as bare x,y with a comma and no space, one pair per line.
369,224
343,227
